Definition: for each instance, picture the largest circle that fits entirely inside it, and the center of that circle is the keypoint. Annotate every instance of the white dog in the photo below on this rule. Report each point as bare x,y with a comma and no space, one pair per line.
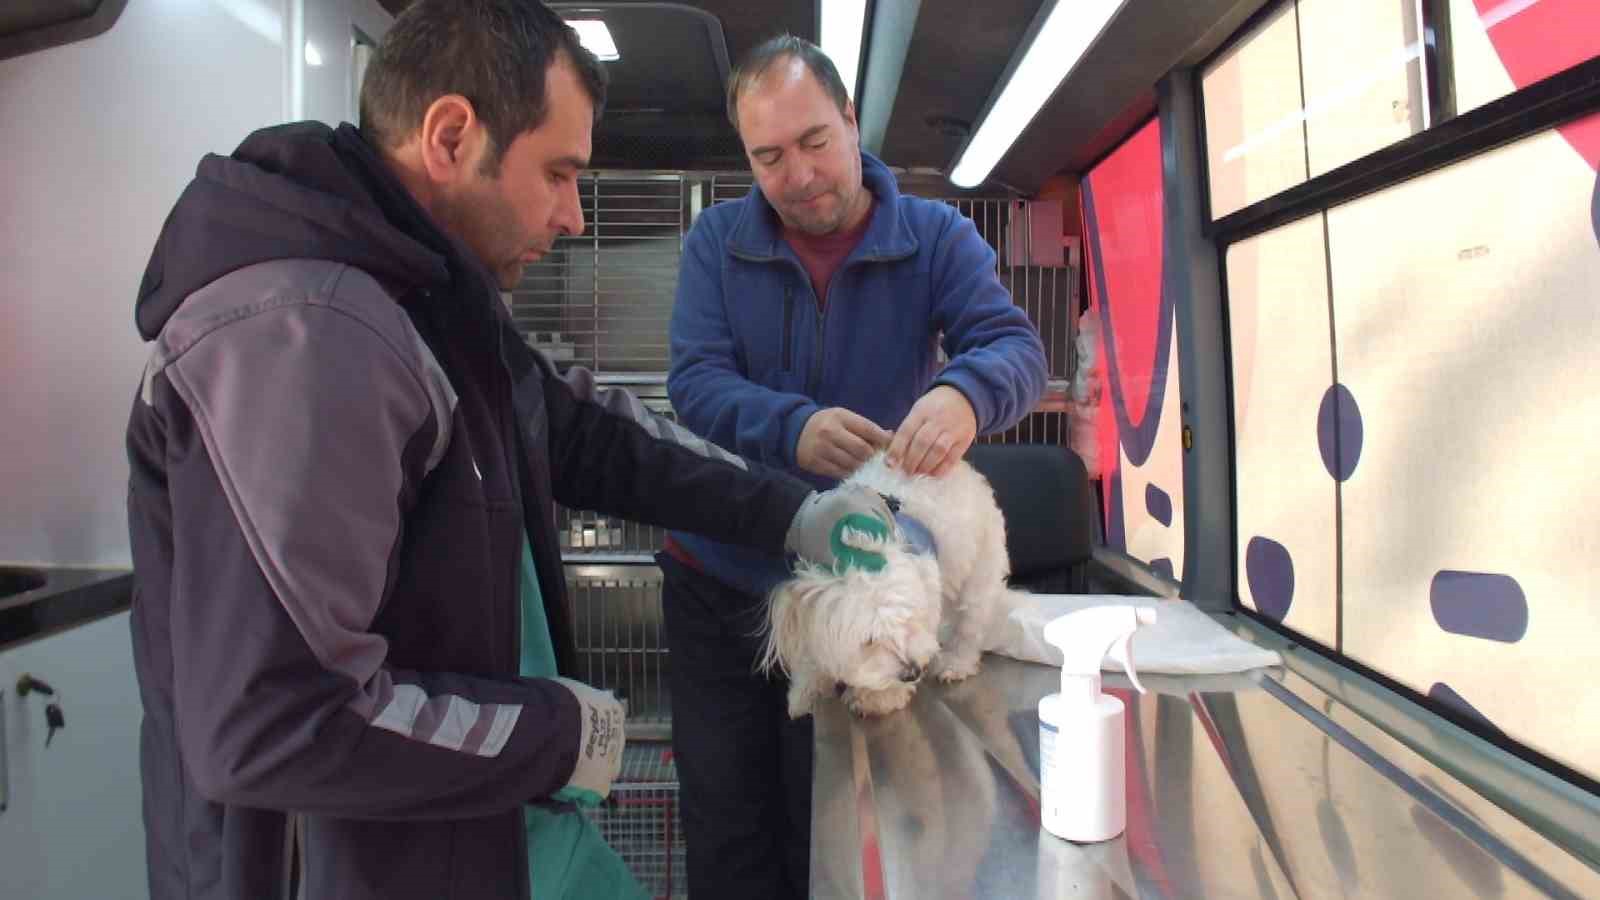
874,635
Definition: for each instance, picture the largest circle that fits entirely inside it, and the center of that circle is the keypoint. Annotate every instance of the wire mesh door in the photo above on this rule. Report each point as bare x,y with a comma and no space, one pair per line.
1046,293
1050,297
730,186
641,822
602,299
617,625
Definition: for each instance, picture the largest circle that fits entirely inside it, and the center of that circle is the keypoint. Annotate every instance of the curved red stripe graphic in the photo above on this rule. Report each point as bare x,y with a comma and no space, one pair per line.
1539,38
1122,202
1127,188
1122,227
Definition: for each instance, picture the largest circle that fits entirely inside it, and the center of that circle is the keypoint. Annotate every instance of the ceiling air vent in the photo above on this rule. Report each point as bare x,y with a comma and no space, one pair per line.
664,106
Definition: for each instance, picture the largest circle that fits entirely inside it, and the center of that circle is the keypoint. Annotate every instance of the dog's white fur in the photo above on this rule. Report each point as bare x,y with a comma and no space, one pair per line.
877,633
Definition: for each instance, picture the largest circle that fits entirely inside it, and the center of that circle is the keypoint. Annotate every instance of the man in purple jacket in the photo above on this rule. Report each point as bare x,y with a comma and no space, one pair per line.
805,336
344,460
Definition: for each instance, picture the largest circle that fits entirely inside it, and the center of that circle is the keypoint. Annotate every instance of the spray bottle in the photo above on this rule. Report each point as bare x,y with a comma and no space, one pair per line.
1082,774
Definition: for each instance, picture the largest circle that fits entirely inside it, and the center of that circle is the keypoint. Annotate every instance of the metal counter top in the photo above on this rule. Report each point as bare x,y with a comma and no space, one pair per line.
1245,786
67,597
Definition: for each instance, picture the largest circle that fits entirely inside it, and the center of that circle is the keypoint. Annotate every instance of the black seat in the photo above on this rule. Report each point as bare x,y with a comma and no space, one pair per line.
1043,491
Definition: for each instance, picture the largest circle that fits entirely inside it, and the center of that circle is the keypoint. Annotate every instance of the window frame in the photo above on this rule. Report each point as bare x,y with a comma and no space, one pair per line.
1451,138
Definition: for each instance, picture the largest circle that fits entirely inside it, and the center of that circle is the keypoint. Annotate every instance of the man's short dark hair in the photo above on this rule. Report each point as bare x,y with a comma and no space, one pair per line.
785,46
493,52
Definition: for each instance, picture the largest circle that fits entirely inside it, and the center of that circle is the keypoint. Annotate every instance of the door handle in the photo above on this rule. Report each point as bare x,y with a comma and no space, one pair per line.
53,717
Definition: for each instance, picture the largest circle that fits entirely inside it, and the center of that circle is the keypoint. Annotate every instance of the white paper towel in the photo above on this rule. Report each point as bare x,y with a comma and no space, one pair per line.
1183,640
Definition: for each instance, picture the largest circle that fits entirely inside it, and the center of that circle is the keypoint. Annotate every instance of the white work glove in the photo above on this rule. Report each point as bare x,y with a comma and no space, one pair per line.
600,741
841,529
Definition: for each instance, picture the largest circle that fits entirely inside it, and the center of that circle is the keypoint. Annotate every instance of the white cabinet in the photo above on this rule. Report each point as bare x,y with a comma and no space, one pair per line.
73,824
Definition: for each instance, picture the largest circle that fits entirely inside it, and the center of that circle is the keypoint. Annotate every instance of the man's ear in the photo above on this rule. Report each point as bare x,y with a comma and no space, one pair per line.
453,139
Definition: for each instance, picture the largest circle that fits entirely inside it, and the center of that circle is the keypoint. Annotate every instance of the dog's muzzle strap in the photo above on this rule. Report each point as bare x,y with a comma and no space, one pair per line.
916,535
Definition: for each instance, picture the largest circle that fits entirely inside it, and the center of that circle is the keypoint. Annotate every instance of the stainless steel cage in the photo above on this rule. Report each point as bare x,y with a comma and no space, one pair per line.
1048,294
617,624
602,299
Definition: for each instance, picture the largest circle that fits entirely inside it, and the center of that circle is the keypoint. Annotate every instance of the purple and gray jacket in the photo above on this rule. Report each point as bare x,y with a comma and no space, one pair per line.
337,448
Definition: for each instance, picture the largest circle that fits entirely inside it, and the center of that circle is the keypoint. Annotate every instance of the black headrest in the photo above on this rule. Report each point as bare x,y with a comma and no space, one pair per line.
1043,491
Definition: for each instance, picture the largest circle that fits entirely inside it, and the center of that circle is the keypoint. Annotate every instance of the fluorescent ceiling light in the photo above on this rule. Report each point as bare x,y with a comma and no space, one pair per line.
596,38
1068,32
843,21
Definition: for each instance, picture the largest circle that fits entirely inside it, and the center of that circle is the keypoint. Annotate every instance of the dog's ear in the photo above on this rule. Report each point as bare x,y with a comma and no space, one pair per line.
785,606
888,625
802,697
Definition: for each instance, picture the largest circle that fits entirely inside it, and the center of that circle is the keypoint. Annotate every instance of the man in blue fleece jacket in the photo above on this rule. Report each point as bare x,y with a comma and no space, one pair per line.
805,336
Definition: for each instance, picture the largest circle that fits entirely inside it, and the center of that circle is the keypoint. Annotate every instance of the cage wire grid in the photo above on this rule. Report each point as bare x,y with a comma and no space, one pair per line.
640,820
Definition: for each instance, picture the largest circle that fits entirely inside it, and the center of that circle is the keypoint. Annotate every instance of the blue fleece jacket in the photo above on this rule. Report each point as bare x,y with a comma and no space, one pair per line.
753,357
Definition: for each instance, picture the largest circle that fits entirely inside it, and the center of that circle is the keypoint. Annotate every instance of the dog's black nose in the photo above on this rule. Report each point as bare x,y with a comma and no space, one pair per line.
911,674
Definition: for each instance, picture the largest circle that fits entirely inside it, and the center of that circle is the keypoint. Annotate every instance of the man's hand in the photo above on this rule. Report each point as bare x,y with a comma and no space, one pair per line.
845,528
600,740
836,441
935,434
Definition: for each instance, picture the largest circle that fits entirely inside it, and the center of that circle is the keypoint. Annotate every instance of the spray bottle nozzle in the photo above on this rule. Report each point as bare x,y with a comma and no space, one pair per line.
1127,661
1087,636
1144,616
